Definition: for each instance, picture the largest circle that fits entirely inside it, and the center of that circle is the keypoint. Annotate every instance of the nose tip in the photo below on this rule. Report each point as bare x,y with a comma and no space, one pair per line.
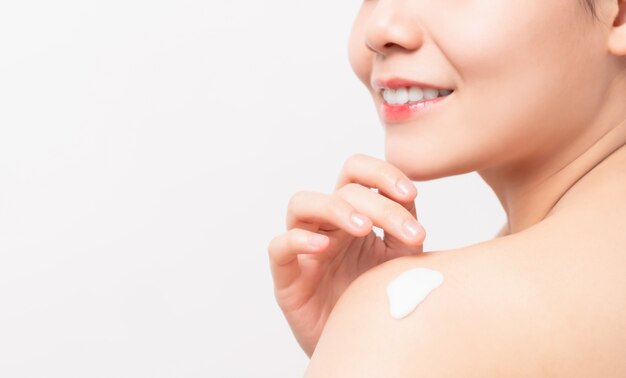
391,30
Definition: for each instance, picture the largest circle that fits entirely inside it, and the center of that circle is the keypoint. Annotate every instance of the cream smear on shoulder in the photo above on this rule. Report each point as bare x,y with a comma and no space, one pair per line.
410,288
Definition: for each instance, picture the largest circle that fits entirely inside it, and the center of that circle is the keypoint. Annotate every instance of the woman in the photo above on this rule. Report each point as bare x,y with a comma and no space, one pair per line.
532,96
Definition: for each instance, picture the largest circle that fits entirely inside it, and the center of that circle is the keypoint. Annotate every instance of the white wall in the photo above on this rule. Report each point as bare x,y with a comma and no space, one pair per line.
148,150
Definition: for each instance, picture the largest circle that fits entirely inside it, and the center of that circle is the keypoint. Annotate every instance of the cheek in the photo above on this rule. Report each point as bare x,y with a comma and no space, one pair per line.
519,66
526,78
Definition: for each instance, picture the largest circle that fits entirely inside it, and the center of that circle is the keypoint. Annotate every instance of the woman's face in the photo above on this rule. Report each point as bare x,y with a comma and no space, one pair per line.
528,78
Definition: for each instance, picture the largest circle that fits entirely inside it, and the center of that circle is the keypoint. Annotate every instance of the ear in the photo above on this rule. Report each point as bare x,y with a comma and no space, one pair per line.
617,37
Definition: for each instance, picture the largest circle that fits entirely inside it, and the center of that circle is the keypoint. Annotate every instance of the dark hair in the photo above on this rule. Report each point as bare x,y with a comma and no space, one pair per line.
590,5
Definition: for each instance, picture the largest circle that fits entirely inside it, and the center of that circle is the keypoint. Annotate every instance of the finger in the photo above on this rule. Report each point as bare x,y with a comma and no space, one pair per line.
283,253
314,211
375,173
387,214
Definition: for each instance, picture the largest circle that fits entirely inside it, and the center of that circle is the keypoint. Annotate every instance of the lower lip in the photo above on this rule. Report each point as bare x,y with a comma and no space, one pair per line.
402,113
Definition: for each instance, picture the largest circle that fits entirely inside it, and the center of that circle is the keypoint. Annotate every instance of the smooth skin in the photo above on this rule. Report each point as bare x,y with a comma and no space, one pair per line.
309,278
548,301
539,112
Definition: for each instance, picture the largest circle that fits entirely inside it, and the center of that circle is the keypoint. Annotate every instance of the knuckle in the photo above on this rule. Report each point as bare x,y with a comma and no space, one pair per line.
348,191
352,161
336,206
349,188
386,173
281,244
291,239
353,158
389,211
273,246
298,198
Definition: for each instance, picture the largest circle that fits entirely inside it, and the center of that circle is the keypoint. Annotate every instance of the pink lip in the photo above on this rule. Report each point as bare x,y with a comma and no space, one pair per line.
402,113
397,82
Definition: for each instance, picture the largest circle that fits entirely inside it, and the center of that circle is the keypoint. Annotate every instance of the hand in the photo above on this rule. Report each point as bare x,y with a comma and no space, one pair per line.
330,242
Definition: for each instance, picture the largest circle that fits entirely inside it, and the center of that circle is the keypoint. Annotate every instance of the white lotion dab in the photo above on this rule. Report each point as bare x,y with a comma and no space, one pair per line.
410,288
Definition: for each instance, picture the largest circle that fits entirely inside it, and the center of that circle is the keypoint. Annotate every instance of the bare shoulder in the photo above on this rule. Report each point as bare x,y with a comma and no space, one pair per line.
549,301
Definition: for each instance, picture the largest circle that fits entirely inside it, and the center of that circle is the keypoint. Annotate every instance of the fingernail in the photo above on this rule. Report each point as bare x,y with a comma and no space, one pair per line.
411,228
358,220
405,187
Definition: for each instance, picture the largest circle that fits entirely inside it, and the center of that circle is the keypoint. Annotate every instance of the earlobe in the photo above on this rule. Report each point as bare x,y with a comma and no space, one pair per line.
617,38
617,41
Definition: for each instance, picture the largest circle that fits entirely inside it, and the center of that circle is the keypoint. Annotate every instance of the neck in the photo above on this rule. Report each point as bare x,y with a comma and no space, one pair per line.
530,191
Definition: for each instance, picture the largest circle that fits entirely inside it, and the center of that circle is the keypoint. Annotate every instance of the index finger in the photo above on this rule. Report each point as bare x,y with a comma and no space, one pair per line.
376,173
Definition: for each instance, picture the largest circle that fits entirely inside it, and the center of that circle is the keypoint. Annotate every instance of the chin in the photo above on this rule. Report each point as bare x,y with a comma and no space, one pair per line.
421,163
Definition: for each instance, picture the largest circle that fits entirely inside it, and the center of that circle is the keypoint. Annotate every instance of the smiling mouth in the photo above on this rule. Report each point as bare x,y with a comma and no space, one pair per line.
403,106
412,95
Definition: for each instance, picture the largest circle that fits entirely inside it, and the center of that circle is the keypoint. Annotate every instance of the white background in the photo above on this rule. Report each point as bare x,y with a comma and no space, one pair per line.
148,150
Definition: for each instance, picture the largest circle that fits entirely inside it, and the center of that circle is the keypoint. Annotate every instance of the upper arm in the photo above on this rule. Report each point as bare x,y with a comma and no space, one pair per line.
486,319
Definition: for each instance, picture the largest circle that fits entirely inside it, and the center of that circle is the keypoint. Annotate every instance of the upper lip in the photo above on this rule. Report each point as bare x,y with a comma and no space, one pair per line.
398,82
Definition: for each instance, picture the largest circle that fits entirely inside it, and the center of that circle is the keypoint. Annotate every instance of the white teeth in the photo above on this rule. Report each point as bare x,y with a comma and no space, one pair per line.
404,95
389,96
416,94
